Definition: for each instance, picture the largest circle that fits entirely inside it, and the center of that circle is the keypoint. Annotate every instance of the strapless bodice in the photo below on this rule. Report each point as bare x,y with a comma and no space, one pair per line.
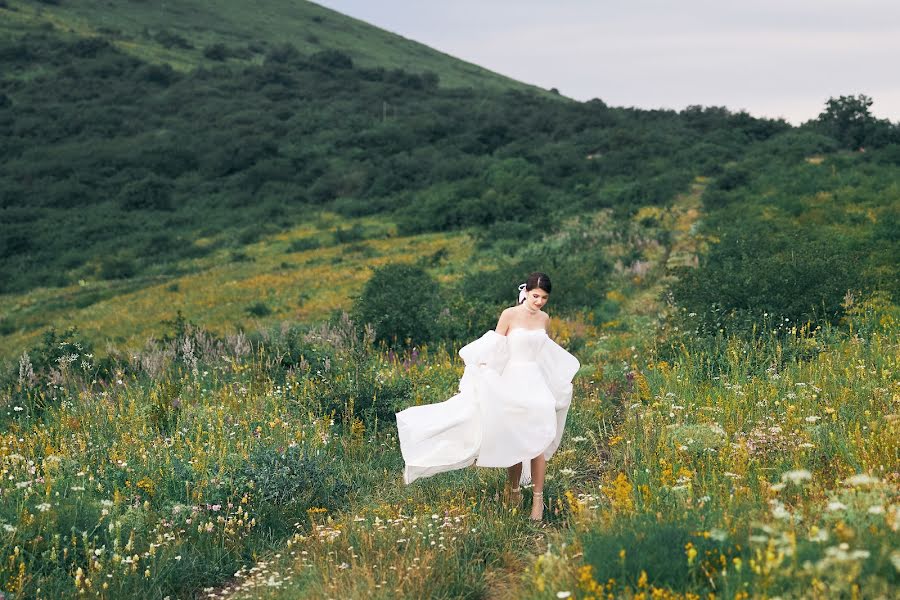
525,344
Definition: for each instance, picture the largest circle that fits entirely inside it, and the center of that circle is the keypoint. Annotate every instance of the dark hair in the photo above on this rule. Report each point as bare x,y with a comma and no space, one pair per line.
538,280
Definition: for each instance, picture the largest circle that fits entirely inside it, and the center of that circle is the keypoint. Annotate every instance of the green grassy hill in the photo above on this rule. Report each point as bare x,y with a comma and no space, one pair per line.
182,33
121,174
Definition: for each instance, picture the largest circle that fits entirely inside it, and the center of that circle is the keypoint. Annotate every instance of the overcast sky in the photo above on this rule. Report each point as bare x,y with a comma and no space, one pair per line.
772,58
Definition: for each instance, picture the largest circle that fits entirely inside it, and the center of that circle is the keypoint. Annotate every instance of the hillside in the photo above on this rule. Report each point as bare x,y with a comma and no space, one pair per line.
119,174
192,33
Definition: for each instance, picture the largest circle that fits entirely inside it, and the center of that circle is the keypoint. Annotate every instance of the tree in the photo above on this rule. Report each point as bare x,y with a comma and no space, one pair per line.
400,302
848,120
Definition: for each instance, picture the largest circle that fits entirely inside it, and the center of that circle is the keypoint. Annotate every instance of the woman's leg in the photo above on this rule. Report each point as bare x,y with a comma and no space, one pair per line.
512,495
513,474
538,470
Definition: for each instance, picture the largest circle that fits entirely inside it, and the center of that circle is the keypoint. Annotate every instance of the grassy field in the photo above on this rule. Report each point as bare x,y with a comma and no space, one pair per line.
301,275
266,465
177,33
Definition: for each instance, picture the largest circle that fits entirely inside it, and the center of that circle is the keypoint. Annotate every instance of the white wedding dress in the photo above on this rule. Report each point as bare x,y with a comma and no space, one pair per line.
512,405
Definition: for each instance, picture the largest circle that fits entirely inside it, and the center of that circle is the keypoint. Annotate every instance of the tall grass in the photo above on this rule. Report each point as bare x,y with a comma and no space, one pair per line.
754,467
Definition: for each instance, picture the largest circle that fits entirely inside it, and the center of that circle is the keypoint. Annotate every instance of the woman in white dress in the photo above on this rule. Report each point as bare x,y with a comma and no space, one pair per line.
512,403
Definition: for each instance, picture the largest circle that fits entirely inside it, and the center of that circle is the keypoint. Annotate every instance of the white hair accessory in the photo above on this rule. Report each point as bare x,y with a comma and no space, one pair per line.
523,293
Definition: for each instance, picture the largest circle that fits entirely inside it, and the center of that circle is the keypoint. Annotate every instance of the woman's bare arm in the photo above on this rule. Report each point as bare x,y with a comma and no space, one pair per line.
503,323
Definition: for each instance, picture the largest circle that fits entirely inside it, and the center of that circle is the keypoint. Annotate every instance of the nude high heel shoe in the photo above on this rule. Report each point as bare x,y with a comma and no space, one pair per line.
512,497
537,506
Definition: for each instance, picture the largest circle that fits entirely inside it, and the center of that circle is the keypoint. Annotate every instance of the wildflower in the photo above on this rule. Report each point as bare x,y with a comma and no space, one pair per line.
876,510
691,552
780,512
835,505
817,535
797,476
43,507
563,594
812,418
861,479
895,560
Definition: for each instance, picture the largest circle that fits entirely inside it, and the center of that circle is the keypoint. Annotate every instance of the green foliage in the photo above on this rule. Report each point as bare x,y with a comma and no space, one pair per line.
364,394
791,237
150,193
576,263
291,480
117,267
105,151
303,244
654,545
400,302
345,235
847,119
258,309
33,382
751,274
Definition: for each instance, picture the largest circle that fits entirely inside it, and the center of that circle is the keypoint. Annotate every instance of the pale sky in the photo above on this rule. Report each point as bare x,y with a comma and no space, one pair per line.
771,58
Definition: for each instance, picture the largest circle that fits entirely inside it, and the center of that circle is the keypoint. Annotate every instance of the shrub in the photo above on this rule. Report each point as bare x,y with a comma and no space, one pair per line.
290,476
345,235
117,268
400,302
217,51
290,481
150,193
333,59
259,309
644,542
302,244
172,40
750,273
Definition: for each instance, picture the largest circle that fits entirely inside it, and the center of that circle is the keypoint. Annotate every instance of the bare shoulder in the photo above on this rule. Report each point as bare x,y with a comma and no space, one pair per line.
508,312
503,322
545,319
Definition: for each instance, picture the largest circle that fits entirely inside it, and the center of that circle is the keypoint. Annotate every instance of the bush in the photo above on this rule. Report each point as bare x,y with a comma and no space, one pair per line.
294,481
654,546
150,193
748,274
217,52
332,59
400,302
303,244
345,235
371,398
259,309
117,268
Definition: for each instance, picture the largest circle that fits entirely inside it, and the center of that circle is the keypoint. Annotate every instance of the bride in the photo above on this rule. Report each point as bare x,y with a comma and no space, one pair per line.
512,403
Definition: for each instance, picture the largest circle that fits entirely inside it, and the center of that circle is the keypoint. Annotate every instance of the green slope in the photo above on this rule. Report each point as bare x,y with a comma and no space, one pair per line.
178,33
